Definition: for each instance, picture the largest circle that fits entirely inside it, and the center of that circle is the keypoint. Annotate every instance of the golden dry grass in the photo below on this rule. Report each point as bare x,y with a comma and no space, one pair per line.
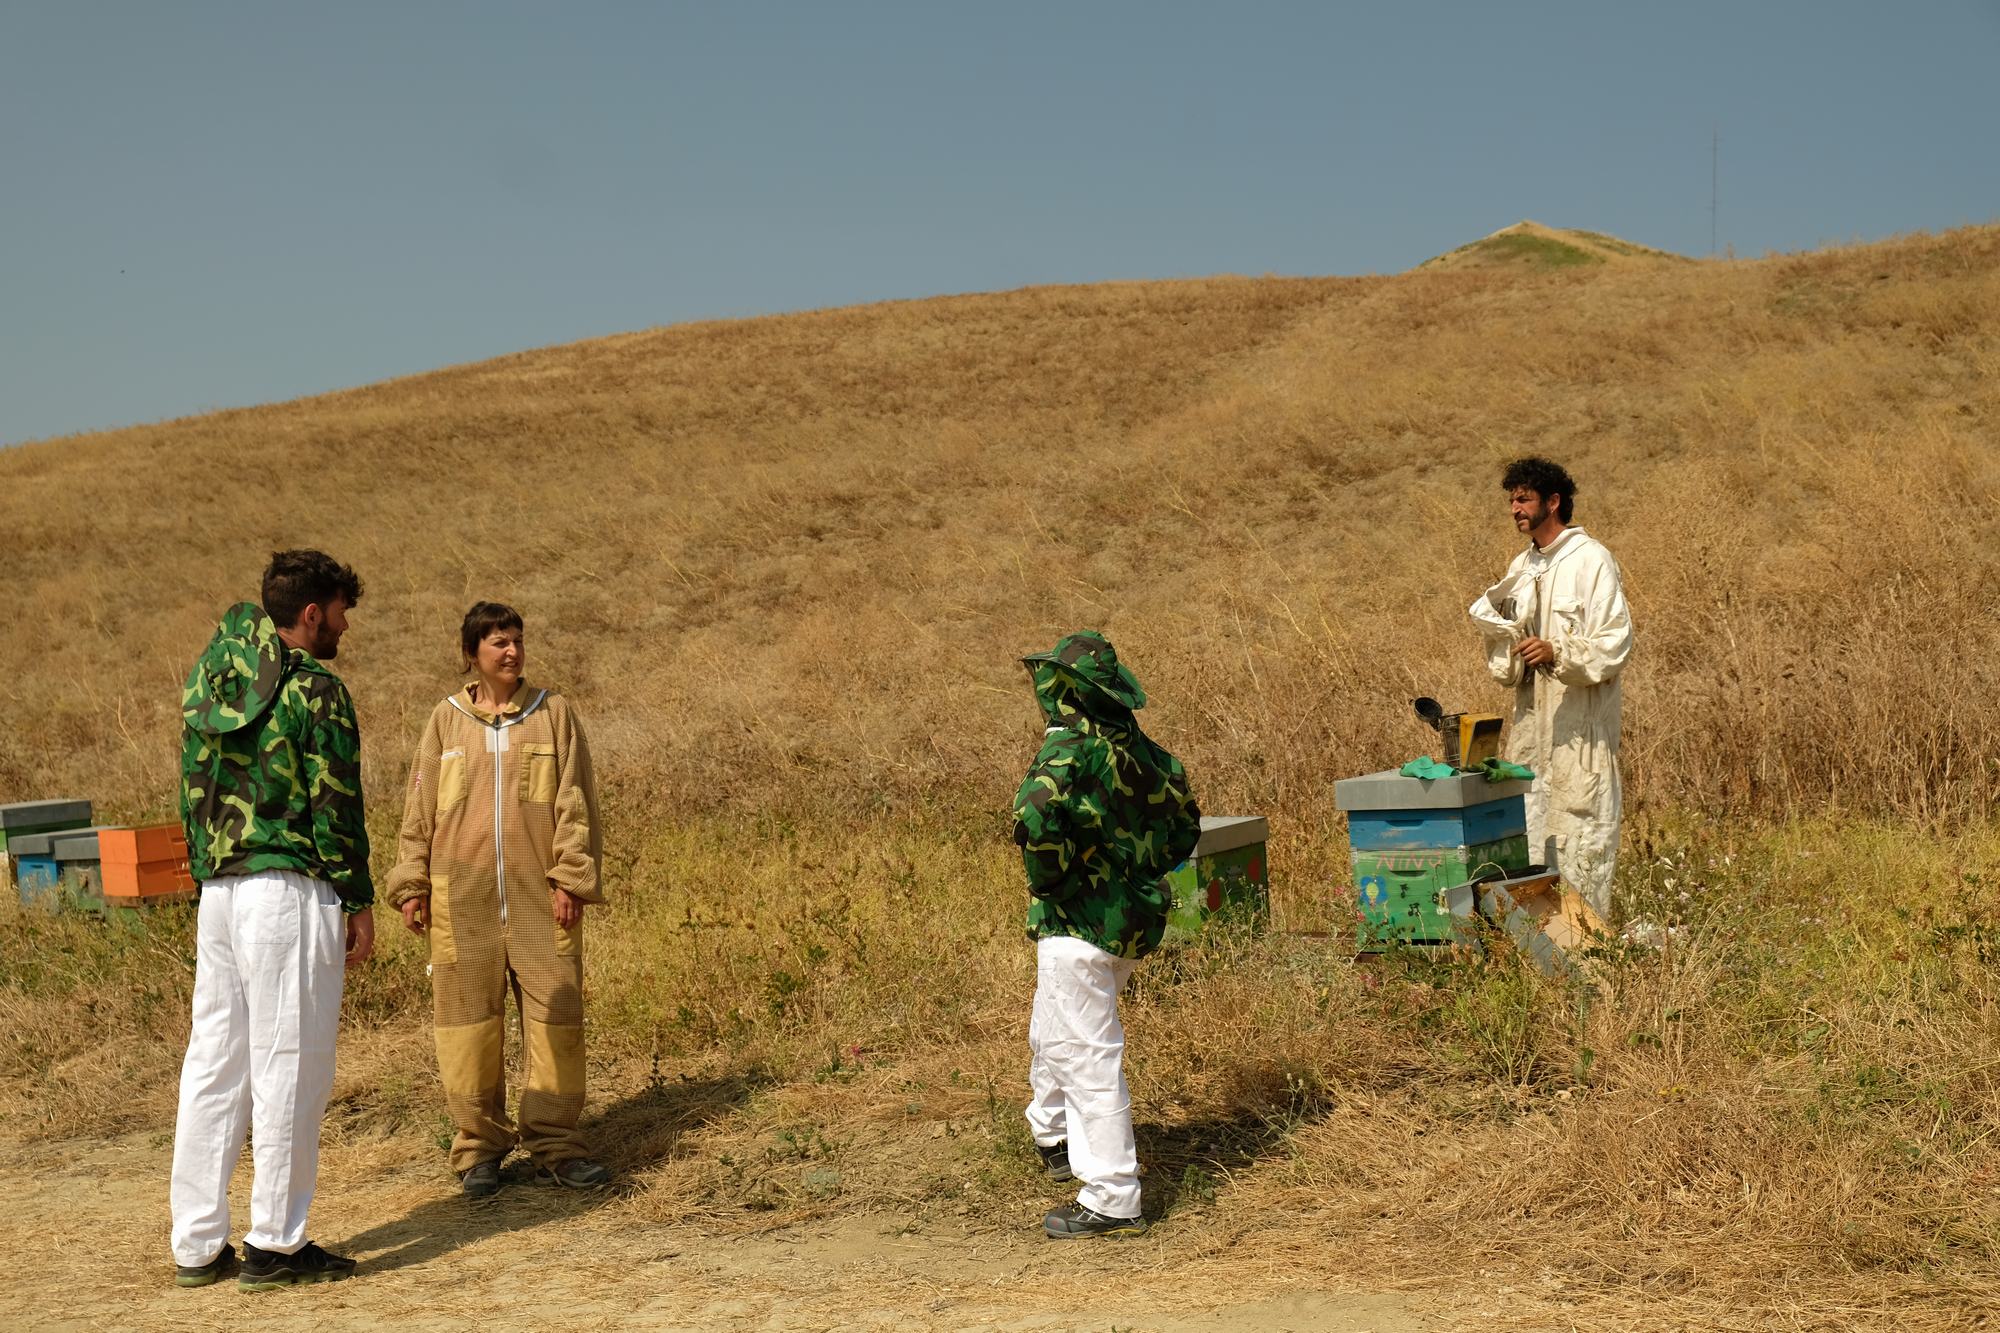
785,567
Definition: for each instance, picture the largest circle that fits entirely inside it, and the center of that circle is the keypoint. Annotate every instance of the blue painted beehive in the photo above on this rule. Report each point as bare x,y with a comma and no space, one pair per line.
35,871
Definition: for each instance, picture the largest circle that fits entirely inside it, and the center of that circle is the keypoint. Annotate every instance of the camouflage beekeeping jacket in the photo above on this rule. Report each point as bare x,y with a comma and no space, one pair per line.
271,762
1104,812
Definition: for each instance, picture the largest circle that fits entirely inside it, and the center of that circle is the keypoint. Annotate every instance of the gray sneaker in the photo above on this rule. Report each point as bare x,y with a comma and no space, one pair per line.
481,1180
578,1173
1055,1161
1073,1221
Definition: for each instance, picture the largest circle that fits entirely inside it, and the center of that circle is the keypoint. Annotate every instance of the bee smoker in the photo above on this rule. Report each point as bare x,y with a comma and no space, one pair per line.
1470,739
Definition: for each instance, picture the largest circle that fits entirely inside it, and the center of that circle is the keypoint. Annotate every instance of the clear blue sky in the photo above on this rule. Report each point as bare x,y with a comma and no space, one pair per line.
210,205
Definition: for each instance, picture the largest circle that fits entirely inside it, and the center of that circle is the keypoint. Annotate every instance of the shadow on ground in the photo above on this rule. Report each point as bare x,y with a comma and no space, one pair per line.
630,1136
1186,1164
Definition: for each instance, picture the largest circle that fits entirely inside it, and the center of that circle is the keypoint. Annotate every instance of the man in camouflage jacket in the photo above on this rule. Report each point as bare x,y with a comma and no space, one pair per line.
271,805
1102,816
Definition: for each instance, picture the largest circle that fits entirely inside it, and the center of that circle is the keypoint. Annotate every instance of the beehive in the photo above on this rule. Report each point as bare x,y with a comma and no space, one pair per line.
1228,877
144,866
34,868
26,819
80,884
1412,838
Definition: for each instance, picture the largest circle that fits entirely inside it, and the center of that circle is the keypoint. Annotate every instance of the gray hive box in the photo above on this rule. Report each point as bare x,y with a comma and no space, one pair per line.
1225,833
32,844
31,816
79,845
1390,790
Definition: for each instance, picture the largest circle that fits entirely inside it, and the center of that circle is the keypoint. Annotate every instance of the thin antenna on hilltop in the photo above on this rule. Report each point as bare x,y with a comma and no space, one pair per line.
1714,178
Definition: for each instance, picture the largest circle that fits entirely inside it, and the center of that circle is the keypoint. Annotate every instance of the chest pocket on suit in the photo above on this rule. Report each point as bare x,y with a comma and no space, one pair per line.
451,780
538,774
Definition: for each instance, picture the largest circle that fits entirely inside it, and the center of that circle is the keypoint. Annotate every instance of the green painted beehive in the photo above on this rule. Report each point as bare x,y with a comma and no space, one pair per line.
80,887
1398,892
1228,878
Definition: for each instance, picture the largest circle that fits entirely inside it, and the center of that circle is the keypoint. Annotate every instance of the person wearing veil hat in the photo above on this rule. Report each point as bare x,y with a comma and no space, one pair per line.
1103,814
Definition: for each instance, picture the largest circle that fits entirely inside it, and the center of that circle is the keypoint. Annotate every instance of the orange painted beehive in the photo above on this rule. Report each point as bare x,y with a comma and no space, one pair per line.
143,866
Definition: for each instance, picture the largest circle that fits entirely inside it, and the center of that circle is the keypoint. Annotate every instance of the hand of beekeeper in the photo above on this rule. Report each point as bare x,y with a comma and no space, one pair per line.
417,915
360,936
569,908
1536,652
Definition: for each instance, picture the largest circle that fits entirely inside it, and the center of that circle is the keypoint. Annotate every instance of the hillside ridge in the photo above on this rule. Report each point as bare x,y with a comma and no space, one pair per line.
1530,244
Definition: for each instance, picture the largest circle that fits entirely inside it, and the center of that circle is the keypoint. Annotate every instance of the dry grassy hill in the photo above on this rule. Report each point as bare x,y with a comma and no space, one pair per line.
786,565
791,561
1531,245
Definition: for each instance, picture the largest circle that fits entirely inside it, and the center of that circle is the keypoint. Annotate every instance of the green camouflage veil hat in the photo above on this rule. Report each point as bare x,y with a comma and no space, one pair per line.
238,675
1089,661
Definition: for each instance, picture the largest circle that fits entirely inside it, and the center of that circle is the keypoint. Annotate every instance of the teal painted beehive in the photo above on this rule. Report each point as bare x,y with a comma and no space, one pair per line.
1413,838
1228,878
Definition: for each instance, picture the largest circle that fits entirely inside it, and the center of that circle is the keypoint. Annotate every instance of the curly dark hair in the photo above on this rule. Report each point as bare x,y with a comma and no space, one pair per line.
295,580
1544,479
480,621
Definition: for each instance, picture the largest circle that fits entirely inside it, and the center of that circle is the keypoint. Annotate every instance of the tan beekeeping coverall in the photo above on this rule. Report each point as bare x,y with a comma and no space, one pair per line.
502,810
1566,719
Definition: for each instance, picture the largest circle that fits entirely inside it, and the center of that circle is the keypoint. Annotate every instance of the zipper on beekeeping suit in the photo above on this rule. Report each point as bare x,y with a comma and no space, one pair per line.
496,745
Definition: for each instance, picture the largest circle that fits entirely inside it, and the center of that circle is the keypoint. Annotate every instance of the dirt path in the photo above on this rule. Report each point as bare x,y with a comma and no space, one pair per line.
84,1226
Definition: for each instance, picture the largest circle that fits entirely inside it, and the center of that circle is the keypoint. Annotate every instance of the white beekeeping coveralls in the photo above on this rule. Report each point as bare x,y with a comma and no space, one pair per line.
1566,719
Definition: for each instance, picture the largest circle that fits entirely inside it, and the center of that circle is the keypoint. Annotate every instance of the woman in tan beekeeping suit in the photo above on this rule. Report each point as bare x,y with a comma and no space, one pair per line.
498,856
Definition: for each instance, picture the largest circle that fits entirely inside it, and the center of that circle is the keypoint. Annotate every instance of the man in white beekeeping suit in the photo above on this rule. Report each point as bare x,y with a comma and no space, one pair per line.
1557,629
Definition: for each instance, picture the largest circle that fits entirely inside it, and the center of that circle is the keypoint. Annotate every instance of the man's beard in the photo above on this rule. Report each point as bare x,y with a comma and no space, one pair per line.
327,646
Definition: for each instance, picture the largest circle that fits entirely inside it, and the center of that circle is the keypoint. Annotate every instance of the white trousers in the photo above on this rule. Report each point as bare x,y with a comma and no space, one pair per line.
267,980
1076,1070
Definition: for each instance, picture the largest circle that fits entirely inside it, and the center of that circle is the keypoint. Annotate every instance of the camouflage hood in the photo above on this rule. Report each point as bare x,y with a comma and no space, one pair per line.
1082,675
238,675
1104,812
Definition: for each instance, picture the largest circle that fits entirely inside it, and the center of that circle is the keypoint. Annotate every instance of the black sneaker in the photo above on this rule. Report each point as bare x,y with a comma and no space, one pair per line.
266,1270
578,1173
481,1180
1055,1161
201,1275
1073,1220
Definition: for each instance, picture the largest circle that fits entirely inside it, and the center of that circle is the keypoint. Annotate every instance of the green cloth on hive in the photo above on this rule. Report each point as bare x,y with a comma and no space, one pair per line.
1493,770
1499,770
